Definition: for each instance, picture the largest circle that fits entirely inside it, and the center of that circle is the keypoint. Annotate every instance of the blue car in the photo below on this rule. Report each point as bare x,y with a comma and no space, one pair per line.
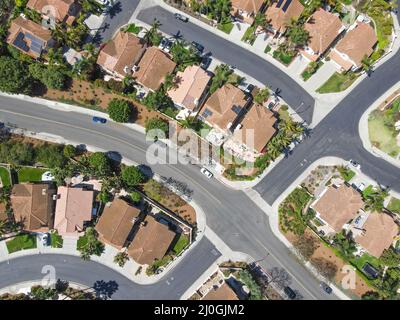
99,120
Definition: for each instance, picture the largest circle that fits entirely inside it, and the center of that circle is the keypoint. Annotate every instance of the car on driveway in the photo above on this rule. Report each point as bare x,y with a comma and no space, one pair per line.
165,45
355,164
45,239
181,17
205,62
198,46
206,172
99,120
290,293
325,287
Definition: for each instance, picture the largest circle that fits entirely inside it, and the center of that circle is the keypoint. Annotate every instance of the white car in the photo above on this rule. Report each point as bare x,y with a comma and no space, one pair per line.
45,239
206,172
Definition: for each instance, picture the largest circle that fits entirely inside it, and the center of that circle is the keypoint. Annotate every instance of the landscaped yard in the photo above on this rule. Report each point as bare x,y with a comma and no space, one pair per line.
181,244
30,174
360,262
311,69
21,242
5,176
367,191
249,35
381,128
338,82
346,173
284,57
226,27
394,205
56,240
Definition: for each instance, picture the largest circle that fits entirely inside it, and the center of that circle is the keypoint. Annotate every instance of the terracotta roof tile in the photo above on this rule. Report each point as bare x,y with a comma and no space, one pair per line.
280,19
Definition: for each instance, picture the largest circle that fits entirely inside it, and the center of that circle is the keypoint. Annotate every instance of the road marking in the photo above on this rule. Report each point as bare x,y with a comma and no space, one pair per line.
298,281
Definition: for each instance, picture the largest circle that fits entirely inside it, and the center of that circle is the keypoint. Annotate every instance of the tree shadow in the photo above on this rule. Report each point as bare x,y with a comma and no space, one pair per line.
105,290
146,170
114,9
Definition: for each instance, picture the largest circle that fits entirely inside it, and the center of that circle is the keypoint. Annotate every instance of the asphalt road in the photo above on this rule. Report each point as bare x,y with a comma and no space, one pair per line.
112,283
230,214
117,16
234,55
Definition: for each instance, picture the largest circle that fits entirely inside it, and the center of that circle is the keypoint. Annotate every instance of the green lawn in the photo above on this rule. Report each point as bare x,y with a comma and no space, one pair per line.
382,135
181,244
133,28
5,176
249,35
21,242
360,262
56,240
30,174
284,57
367,191
337,82
226,27
346,174
394,205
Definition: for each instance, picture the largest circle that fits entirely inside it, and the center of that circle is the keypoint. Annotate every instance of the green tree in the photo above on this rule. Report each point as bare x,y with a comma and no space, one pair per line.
375,199
344,242
120,110
51,155
17,153
222,73
136,197
298,35
41,293
158,100
121,258
89,245
132,176
152,37
50,76
156,124
390,257
14,77
255,289
92,6
69,151
99,164
183,56
262,96
371,295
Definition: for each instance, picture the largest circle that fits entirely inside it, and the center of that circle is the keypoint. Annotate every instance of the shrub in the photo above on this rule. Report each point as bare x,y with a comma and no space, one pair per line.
119,110
132,176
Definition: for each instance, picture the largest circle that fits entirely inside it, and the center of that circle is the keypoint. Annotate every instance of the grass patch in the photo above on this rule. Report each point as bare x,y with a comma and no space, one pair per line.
367,191
267,49
249,35
21,242
338,82
360,262
133,28
181,244
225,27
56,240
284,57
311,69
382,132
346,173
5,176
394,205
30,174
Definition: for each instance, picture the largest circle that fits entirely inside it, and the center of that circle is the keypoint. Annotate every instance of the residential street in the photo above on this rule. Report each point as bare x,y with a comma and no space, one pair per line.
74,269
230,214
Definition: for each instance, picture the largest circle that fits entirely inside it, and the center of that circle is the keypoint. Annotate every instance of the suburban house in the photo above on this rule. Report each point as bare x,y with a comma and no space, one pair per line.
324,28
280,13
376,234
337,205
255,131
223,292
120,55
246,9
29,37
33,206
116,222
191,88
153,68
73,208
151,241
61,10
224,107
358,42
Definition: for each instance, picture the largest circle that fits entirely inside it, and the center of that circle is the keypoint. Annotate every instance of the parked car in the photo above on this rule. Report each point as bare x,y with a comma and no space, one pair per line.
99,120
205,62
361,187
355,164
181,17
198,46
326,287
165,45
45,239
249,88
289,292
206,172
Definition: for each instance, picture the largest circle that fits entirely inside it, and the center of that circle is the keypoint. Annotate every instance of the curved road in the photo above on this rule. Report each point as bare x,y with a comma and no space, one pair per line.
89,273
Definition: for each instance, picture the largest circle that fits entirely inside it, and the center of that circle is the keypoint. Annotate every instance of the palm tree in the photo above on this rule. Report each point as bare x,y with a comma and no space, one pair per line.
374,200
260,20
189,122
366,64
152,32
